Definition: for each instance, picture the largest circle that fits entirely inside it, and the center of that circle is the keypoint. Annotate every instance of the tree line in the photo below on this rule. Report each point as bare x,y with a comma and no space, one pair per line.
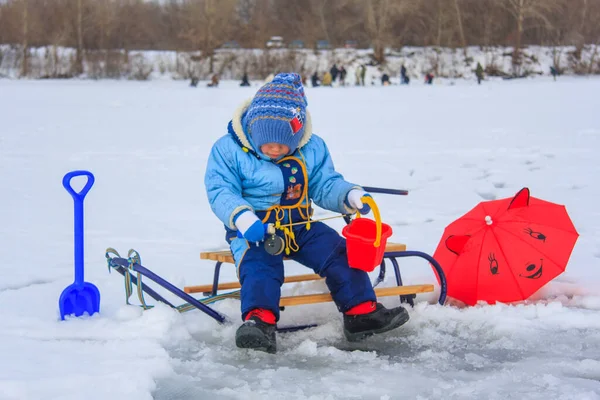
205,25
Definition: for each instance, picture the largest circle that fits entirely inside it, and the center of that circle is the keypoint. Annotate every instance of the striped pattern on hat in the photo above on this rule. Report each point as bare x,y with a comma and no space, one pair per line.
277,112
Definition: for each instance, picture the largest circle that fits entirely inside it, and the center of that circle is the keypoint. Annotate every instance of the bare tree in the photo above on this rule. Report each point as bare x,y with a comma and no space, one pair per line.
245,11
459,23
104,17
377,20
104,22
580,27
206,24
25,37
217,14
262,23
319,7
592,33
522,10
379,15
444,24
58,32
78,68
117,26
2,22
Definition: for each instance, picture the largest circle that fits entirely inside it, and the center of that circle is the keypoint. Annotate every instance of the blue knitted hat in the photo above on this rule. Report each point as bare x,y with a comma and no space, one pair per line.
277,113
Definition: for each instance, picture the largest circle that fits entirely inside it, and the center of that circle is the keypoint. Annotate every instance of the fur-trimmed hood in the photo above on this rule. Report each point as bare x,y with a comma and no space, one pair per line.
238,129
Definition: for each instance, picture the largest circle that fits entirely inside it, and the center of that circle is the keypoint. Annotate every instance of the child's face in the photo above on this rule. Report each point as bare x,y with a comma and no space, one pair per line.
274,150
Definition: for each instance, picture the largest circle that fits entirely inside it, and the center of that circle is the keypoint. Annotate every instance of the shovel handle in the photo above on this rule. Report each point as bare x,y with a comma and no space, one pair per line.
67,184
78,218
369,200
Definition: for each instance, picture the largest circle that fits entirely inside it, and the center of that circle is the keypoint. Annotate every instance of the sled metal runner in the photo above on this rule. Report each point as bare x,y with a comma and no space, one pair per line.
133,271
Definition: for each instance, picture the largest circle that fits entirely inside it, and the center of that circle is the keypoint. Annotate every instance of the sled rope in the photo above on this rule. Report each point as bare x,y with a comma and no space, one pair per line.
209,300
132,257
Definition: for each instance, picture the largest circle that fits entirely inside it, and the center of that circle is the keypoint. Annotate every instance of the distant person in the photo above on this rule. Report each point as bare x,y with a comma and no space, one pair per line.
404,79
245,81
327,79
214,81
334,73
385,79
429,78
343,74
554,72
363,72
314,80
194,82
479,73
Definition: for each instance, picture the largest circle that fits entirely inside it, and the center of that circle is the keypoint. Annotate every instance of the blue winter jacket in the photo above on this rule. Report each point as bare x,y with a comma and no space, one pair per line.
239,177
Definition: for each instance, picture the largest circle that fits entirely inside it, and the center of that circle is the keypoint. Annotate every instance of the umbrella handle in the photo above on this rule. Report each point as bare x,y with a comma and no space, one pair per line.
78,217
369,200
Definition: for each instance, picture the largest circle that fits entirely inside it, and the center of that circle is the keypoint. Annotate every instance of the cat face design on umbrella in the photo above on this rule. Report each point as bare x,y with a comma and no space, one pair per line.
491,253
536,274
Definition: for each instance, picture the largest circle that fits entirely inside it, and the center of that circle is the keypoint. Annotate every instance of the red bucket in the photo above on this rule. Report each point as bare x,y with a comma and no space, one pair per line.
361,237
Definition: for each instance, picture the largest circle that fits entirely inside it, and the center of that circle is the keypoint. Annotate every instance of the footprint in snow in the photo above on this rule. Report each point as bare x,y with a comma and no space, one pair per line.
487,195
400,223
25,285
485,175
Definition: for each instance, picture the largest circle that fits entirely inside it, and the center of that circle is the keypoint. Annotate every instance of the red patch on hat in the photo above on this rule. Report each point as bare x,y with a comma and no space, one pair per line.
296,124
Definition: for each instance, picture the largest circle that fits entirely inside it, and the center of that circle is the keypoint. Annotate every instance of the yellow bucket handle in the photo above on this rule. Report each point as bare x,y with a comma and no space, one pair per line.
369,200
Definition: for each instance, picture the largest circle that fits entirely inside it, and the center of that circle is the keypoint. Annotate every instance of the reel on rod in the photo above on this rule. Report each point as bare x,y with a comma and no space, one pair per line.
274,244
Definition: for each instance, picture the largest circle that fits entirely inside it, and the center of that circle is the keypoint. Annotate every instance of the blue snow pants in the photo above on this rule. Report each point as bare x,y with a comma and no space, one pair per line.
321,248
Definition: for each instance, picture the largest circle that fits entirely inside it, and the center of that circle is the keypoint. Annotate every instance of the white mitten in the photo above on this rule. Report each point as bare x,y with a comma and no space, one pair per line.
354,200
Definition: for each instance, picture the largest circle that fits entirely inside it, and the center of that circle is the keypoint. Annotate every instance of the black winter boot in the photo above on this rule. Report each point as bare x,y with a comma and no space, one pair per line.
358,327
256,334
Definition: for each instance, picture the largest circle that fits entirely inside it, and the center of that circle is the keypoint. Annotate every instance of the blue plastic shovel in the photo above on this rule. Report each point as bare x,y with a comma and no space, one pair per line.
80,297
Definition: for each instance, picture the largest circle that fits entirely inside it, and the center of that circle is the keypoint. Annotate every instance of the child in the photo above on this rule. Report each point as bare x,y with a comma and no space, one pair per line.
268,169
479,73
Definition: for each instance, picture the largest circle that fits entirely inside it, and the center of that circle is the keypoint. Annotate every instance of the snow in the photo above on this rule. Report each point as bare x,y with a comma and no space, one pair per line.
450,145
453,63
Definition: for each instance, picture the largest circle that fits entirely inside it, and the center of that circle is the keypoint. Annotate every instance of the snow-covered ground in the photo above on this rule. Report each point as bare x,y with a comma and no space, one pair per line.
147,143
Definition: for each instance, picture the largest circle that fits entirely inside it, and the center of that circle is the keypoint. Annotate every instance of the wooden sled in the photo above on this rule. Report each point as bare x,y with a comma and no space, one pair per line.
392,251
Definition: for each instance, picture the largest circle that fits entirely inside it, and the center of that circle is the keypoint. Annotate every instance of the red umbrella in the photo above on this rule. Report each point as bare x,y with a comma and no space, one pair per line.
505,250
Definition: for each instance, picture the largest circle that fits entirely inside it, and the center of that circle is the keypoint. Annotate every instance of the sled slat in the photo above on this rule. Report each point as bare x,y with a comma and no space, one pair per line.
236,285
380,292
226,257
223,256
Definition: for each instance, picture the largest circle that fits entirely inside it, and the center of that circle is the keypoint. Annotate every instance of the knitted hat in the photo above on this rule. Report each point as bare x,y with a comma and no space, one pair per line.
277,112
